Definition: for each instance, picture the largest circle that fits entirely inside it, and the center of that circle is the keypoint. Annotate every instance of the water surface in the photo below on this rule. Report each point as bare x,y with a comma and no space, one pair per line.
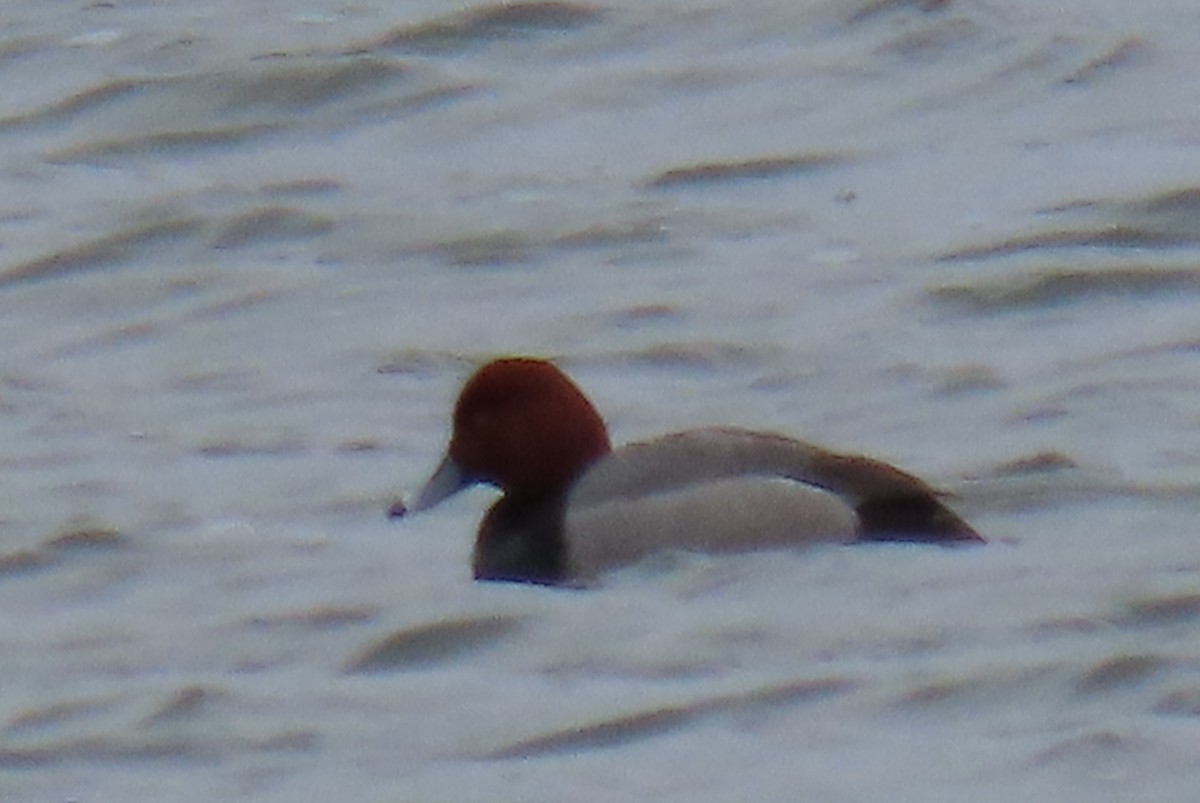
248,252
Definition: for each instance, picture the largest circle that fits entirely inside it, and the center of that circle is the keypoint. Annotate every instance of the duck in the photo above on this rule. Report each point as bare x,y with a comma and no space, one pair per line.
572,507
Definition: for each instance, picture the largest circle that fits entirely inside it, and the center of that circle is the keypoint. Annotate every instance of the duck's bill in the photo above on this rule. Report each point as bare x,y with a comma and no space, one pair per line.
446,481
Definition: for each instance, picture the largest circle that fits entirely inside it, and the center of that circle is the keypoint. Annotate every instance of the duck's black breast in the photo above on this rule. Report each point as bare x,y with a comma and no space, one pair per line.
522,541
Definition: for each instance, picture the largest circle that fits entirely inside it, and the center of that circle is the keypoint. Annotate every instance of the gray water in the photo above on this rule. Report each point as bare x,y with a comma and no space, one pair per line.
249,251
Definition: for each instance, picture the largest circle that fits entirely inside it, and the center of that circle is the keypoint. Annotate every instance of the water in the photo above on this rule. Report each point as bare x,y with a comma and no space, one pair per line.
249,251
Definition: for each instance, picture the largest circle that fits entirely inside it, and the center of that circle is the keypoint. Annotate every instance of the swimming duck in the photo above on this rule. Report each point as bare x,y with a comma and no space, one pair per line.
574,507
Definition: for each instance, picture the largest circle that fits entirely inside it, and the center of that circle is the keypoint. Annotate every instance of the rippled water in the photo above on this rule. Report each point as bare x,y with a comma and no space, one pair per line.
249,251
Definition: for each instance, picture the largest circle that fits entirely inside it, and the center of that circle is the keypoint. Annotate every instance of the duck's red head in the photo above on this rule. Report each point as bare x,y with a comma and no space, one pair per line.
522,425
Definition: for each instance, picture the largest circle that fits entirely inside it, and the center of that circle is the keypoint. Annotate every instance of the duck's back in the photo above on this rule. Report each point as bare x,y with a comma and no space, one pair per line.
709,490
734,489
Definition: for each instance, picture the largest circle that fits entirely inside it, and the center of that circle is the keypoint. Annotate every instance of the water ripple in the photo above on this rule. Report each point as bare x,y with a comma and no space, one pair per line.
1067,285
430,644
646,724
486,24
763,167
101,252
